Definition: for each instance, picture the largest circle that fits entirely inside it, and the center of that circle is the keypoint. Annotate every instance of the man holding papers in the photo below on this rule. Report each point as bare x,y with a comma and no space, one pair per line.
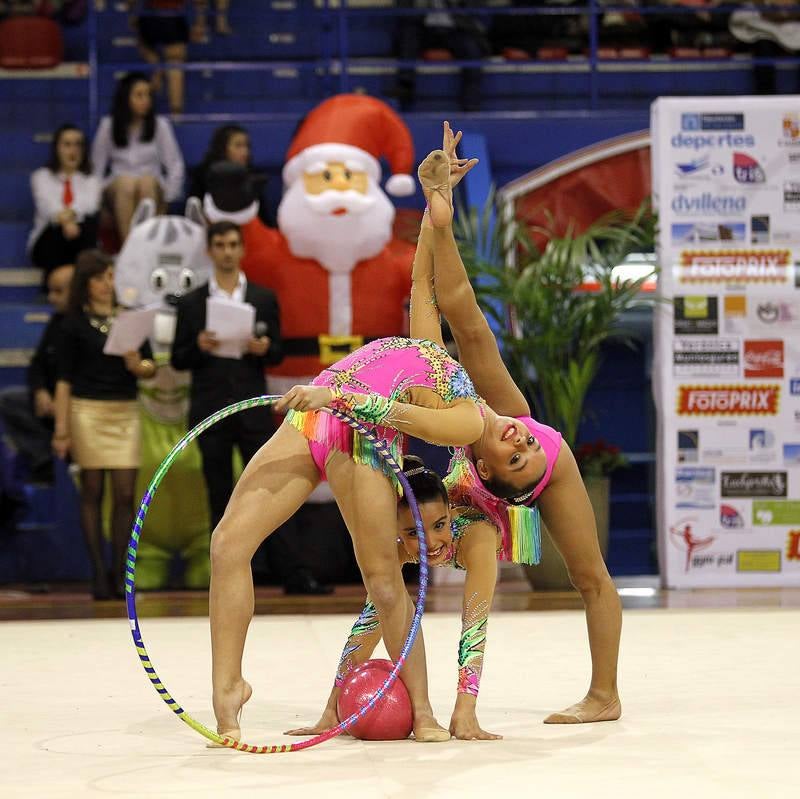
227,332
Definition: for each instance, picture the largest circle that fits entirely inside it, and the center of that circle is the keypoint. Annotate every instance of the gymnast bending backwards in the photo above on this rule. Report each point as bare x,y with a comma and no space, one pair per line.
476,475
463,536
395,386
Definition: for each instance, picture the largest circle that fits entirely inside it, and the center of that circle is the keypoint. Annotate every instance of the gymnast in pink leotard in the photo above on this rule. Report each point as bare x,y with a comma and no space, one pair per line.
425,394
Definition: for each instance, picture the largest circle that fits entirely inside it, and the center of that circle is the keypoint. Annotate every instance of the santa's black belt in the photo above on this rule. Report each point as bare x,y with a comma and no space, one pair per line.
328,348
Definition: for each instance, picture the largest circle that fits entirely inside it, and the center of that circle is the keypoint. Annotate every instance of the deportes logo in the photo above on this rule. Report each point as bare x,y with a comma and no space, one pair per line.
730,518
728,400
747,170
700,141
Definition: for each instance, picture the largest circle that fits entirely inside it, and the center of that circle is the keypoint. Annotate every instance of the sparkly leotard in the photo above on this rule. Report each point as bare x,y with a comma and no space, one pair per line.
391,368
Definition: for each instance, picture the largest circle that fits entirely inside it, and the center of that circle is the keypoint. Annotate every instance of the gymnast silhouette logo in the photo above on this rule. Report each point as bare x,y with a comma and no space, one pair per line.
682,536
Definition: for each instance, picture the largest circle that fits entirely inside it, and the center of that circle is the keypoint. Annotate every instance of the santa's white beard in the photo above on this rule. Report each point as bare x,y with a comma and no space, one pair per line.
337,241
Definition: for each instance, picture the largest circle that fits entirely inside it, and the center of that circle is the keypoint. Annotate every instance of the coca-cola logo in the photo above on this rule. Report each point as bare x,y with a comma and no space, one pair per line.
763,358
753,484
756,400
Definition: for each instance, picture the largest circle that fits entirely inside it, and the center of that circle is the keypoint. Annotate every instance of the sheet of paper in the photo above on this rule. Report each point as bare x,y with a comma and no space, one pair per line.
129,331
232,323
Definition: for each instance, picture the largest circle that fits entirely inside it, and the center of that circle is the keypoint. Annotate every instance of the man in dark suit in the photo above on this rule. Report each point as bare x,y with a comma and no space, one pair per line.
27,412
219,381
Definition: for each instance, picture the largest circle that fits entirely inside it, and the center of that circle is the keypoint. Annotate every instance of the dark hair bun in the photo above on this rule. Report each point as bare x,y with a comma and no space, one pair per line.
412,462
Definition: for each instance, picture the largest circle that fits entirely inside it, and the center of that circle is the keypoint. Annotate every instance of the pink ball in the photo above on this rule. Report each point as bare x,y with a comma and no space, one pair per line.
391,718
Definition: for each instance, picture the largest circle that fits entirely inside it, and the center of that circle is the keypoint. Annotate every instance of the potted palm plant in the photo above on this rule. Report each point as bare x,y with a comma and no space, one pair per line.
530,283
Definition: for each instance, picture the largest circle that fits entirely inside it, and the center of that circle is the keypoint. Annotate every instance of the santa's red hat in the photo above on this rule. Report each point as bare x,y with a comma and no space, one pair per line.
356,130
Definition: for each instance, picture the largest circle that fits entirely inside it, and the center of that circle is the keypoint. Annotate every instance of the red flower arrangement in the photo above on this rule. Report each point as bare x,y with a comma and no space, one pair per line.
599,458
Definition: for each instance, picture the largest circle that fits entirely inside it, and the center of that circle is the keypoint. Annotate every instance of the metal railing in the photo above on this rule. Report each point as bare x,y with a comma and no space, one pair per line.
335,60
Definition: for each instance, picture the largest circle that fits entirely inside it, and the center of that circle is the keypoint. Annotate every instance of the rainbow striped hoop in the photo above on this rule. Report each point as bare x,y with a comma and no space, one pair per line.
130,587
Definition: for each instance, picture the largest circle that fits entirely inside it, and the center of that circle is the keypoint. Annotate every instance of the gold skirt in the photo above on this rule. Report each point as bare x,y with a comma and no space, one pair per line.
105,434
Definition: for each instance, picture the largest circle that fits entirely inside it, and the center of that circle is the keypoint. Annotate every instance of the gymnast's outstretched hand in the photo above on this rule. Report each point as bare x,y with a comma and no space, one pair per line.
458,166
304,398
328,721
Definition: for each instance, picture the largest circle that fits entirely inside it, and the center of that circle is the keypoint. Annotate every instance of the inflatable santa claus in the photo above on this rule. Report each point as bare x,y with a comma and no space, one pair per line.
340,276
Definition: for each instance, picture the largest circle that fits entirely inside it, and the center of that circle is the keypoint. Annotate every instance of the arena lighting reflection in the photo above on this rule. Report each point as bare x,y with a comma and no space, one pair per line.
636,266
637,591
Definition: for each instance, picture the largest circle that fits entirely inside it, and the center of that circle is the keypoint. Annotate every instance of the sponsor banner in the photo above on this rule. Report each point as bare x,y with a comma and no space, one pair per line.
695,487
706,357
791,196
791,454
753,484
734,266
758,560
696,316
726,374
735,400
793,545
759,229
763,358
688,445
747,170
708,232
730,517
775,512
709,203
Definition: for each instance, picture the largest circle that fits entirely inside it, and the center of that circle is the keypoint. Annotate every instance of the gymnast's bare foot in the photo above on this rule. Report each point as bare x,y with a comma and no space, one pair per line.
590,709
434,175
428,730
228,706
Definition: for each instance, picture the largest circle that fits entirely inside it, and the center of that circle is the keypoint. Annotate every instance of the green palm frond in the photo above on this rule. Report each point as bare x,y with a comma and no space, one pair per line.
551,332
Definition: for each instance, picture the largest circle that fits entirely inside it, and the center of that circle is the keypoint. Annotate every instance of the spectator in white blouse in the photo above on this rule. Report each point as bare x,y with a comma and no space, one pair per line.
66,198
139,151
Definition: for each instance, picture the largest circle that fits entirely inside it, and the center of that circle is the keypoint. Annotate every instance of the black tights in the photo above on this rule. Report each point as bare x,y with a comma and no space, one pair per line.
123,484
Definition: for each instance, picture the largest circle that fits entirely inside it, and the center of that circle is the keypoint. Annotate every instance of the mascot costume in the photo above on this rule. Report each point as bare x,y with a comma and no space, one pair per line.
163,258
340,275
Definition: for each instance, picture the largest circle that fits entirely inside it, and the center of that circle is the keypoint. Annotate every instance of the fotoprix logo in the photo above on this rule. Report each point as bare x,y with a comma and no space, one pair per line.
723,121
728,400
730,518
753,484
734,266
747,170
708,204
763,358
